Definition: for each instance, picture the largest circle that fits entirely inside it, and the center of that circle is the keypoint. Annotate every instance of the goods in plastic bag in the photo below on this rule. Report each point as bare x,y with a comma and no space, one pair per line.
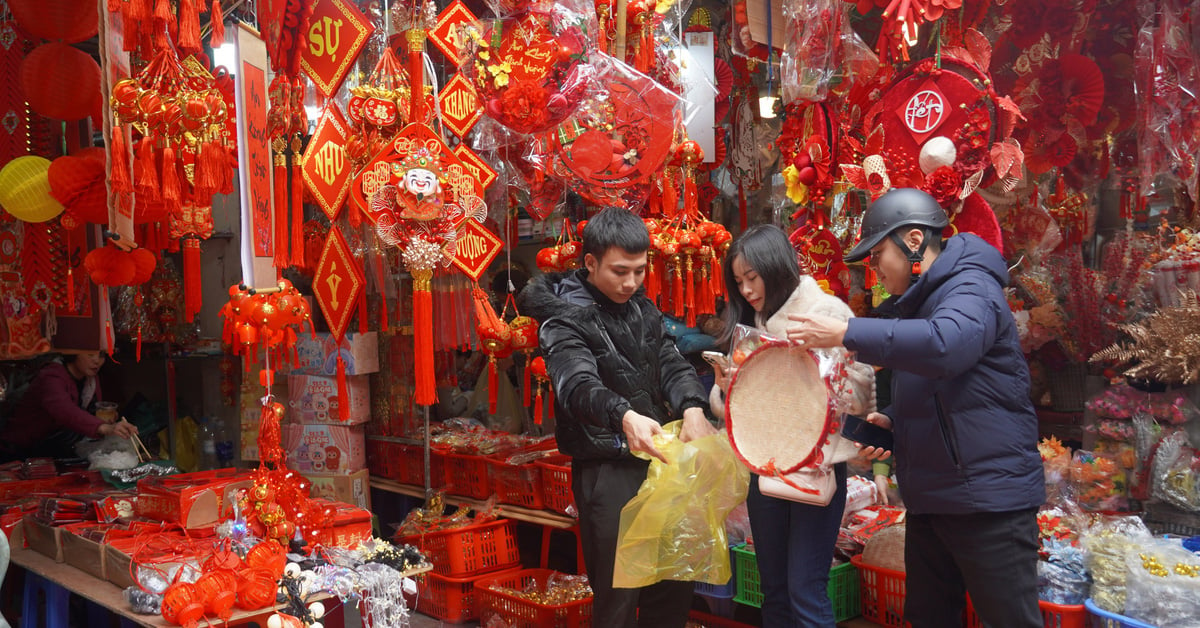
1105,545
1056,464
674,528
1063,582
1175,477
1098,482
1163,587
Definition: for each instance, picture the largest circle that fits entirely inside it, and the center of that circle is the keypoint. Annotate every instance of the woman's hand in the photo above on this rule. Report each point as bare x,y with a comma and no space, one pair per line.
881,486
816,331
121,428
875,453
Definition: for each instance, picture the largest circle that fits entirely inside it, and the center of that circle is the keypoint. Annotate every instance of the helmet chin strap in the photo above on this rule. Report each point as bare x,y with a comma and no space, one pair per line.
914,257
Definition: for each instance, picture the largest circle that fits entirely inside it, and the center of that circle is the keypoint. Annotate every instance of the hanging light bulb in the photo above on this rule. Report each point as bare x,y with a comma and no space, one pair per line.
767,101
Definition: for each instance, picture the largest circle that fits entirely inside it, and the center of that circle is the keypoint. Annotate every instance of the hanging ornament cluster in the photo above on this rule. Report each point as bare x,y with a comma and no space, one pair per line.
807,146
420,197
530,67
564,254
379,108
543,392
287,123
277,505
684,275
686,249
147,25
267,319
182,118
499,339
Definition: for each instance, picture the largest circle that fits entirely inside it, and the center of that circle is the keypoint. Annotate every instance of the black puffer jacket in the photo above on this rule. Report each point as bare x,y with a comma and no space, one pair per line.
605,358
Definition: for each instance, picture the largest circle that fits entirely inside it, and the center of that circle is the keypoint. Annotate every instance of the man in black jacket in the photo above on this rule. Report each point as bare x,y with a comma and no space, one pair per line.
617,379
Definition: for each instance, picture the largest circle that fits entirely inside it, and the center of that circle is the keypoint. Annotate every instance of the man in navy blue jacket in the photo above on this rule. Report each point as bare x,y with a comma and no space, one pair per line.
964,425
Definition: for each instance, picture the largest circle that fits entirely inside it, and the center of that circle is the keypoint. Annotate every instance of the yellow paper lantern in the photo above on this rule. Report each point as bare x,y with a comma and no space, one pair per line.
25,189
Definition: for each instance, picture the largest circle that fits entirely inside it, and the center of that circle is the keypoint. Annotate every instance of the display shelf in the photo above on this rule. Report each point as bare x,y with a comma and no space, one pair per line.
539,517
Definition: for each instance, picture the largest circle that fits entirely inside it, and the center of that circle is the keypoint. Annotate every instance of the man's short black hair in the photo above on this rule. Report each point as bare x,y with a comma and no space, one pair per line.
615,227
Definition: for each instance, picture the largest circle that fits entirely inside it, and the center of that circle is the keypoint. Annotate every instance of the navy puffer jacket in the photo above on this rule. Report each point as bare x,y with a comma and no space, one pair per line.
965,429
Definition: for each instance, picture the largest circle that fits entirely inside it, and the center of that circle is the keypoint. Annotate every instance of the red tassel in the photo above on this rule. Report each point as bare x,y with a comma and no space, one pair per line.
225,172
742,218
677,302
296,244
689,286
426,382
217,37
139,13
707,300
653,278
281,210
537,408
171,193
493,384
718,278
191,278
162,14
691,198
137,350
670,197
146,167
108,326
525,387
122,183
189,27
113,6
343,389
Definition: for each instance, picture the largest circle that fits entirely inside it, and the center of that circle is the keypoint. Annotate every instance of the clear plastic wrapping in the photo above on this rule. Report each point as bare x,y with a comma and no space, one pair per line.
1175,476
531,68
1163,587
1105,545
1099,482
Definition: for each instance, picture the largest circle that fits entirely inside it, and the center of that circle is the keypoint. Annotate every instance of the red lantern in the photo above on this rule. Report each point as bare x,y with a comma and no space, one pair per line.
69,20
269,556
182,604
77,182
218,590
60,81
256,589
109,266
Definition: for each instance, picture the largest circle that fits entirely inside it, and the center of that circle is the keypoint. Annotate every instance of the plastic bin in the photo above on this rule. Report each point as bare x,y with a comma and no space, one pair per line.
881,593
449,599
467,475
556,484
843,587
470,550
517,612
1104,619
519,484
727,590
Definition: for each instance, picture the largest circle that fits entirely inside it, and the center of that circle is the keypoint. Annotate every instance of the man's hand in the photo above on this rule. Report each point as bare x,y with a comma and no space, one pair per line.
881,486
640,431
816,331
875,453
121,428
695,425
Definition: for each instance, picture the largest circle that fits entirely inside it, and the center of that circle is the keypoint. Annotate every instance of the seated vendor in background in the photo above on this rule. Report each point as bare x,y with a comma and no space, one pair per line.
58,410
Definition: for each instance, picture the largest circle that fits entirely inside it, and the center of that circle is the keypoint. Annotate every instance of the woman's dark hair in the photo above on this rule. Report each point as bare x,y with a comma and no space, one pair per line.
766,249
615,227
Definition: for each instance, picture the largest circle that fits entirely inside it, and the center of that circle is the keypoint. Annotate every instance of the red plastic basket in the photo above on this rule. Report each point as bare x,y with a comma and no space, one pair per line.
556,484
518,612
410,466
882,593
470,550
467,475
449,599
517,484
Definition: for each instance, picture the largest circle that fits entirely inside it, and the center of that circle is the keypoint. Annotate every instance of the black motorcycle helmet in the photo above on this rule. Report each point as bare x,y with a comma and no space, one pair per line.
899,207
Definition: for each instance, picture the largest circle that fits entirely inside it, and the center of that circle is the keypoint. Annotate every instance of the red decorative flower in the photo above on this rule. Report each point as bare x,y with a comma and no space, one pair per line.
944,184
523,105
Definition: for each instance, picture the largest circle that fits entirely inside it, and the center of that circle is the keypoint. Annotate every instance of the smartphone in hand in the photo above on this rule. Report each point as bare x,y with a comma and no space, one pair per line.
717,359
866,433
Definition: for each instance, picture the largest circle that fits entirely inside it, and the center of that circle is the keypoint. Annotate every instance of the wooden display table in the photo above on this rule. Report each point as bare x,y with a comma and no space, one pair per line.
109,595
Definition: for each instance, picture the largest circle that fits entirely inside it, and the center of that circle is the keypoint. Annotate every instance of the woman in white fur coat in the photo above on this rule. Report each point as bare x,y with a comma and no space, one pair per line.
793,541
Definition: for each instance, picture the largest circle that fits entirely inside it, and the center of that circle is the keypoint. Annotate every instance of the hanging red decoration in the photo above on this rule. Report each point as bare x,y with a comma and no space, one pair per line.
109,266
60,81
182,605
218,590
495,341
78,182
72,21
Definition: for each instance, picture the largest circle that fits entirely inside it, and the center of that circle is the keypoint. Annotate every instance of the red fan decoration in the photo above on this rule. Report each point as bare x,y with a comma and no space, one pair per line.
60,81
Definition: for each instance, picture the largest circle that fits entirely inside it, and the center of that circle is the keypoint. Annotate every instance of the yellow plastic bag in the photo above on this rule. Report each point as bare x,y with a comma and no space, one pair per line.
674,528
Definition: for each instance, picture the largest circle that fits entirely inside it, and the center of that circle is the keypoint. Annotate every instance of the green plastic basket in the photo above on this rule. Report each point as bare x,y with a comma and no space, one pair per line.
842,591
